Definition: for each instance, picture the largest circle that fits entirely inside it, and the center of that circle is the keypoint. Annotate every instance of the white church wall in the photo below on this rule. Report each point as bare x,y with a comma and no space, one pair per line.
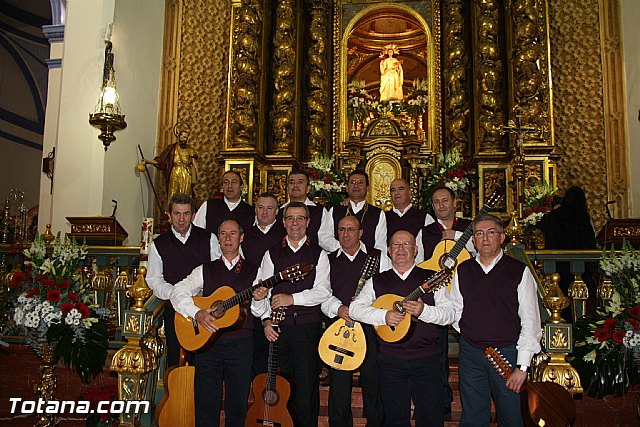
137,45
631,48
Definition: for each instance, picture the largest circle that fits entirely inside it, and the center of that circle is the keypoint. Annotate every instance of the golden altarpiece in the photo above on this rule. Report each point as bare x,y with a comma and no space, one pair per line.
289,66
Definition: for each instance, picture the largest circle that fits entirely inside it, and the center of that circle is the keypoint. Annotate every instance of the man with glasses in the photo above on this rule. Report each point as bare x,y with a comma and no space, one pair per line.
346,268
298,188
374,223
496,304
404,216
231,206
409,369
300,330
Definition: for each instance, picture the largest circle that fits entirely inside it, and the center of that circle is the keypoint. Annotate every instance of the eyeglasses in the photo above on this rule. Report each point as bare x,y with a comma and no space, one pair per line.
492,232
347,230
295,218
398,245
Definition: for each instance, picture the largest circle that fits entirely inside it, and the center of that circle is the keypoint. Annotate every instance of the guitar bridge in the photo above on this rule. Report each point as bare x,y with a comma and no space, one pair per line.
196,328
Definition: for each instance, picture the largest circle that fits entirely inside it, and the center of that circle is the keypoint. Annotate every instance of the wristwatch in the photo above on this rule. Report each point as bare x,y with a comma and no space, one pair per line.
523,368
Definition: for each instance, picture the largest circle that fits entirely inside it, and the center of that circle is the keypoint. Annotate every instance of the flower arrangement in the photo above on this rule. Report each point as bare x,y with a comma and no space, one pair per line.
451,171
608,344
324,180
96,394
538,200
359,101
417,100
55,308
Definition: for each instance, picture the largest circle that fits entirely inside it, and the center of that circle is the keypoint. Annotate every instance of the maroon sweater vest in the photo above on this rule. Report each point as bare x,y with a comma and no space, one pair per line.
178,259
241,277
282,257
256,243
218,211
345,274
490,312
422,339
368,219
412,221
432,234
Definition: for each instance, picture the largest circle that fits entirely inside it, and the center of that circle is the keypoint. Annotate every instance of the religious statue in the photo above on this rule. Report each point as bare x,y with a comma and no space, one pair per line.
391,74
177,162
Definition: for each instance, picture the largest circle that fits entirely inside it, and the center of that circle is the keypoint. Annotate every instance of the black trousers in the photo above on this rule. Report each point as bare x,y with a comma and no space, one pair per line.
419,380
299,361
227,360
443,354
341,384
260,348
173,346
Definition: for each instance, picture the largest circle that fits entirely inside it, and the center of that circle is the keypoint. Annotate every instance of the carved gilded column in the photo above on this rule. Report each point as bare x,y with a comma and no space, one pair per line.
530,73
245,78
318,79
456,67
489,77
283,111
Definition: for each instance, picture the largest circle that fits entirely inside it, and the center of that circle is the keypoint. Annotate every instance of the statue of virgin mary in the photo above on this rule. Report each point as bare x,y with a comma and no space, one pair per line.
391,74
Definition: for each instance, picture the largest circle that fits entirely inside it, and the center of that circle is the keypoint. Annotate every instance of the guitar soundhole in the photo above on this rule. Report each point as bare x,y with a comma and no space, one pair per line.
271,397
218,310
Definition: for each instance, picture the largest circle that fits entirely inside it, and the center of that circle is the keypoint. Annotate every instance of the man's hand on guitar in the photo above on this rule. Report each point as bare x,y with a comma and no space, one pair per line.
414,308
260,293
343,313
393,318
281,300
205,318
269,332
516,380
449,234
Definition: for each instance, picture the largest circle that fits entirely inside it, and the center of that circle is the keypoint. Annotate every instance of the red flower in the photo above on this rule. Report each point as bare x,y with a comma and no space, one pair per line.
72,297
48,282
83,310
53,295
633,322
39,277
609,324
634,311
33,292
63,284
602,335
66,307
17,278
618,336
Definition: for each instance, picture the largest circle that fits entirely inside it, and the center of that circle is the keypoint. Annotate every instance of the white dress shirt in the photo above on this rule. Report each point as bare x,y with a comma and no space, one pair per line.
326,234
420,256
428,219
528,310
155,269
184,290
320,291
361,309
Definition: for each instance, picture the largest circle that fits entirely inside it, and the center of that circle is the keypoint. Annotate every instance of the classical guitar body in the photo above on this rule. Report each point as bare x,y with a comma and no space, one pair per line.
343,345
193,341
270,405
388,333
442,249
177,406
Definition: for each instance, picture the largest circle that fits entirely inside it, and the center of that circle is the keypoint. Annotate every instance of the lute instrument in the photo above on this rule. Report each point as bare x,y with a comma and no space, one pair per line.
343,344
395,302
541,401
226,304
270,391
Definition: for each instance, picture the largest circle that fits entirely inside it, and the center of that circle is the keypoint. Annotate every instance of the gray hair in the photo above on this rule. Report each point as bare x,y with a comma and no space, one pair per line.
488,217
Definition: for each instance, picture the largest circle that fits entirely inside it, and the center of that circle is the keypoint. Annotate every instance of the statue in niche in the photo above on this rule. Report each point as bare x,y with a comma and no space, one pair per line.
177,162
391,74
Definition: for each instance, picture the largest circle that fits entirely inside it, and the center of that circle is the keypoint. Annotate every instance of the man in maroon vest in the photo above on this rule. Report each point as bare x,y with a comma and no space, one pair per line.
298,188
231,206
172,256
496,304
374,223
300,330
229,358
404,216
409,368
346,270
265,232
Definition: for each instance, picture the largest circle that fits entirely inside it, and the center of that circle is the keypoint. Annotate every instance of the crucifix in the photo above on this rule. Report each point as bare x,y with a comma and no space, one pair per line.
517,184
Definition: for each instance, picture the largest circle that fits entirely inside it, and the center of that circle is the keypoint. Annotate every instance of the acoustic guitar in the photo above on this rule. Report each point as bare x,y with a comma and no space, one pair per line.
449,253
177,406
226,305
543,403
270,391
343,344
395,302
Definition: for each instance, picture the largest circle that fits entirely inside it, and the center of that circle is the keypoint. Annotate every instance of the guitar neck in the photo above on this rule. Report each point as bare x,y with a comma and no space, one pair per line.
272,364
462,241
248,293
